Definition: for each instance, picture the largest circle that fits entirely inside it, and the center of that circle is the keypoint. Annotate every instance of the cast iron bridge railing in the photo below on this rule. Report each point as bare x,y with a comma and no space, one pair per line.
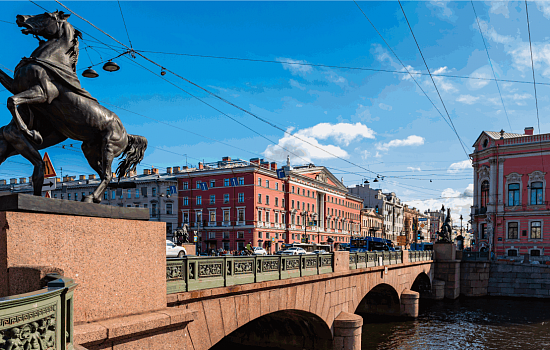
39,320
196,273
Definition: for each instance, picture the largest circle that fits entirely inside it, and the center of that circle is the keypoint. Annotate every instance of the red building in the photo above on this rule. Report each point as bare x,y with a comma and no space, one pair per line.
228,204
510,212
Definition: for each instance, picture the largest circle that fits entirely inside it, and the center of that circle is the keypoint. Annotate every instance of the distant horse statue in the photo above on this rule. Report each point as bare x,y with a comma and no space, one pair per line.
49,105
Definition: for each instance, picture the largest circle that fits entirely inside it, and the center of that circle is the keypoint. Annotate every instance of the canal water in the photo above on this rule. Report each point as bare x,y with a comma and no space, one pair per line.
481,324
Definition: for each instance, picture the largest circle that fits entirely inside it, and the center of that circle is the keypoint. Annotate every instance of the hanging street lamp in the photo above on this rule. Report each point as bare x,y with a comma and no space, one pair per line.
111,66
90,73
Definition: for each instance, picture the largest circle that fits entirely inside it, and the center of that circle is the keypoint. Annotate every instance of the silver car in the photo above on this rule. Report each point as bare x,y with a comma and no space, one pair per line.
294,251
174,251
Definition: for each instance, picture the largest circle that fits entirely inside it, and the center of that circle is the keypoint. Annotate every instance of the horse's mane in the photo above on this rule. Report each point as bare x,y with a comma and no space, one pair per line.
73,50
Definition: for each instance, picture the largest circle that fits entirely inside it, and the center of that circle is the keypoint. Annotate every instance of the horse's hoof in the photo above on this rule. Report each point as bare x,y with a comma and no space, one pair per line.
36,137
97,200
88,199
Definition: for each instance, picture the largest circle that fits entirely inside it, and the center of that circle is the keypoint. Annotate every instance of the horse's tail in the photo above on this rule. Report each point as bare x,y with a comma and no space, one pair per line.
132,155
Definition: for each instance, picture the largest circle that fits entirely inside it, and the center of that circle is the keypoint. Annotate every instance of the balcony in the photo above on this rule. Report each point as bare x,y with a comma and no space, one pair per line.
211,223
240,223
226,223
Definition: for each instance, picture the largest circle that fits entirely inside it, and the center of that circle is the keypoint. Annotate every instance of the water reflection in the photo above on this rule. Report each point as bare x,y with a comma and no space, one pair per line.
484,324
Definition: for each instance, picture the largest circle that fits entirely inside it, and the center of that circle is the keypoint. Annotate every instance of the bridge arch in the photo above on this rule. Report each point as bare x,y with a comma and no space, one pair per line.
423,285
288,329
383,299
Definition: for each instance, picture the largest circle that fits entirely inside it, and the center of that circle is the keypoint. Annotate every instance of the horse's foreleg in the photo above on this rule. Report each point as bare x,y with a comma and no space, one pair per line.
94,158
31,96
7,81
108,154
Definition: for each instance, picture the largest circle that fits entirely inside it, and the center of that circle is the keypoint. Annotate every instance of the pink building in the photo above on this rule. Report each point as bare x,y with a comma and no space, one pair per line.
233,202
510,213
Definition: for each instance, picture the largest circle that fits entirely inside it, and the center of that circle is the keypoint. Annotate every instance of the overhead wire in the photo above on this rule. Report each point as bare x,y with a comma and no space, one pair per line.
491,64
125,27
433,81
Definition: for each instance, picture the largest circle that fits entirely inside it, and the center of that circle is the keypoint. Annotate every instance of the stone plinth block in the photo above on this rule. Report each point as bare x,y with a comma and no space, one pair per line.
347,331
409,303
341,260
118,264
445,251
190,248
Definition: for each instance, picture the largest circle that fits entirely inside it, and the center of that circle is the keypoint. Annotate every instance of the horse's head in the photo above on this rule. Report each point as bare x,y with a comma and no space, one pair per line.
47,25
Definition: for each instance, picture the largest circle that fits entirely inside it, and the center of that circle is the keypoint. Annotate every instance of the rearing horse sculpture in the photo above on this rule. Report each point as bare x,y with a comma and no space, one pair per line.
49,106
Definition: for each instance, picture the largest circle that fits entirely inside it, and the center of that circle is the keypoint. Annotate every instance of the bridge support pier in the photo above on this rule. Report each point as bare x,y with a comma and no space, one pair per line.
409,303
438,289
347,331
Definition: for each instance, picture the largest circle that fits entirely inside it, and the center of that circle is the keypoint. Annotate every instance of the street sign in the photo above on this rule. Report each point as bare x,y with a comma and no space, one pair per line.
422,219
272,239
48,194
49,185
422,225
173,190
195,239
401,240
49,170
281,173
204,186
234,181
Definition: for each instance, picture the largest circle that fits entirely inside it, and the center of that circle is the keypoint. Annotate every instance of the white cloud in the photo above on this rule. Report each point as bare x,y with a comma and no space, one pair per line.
363,114
413,168
385,107
445,11
365,154
467,99
342,133
412,140
484,73
296,67
499,8
459,202
544,7
442,82
411,70
296,84
456,167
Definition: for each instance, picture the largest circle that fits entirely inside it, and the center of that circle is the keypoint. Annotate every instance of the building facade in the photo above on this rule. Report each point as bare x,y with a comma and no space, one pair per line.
436,219
151,190
230,203
372,223
510,212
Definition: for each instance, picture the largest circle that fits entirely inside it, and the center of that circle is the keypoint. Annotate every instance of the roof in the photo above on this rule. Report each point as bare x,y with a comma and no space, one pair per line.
507,135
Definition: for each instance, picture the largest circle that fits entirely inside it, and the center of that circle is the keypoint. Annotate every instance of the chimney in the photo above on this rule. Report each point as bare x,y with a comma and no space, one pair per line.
529,130
255,161
274,166
23,180
132,173
264,164
91,177
146,172
201,166
66,178
13,181
176,169
82,177
169,170
30,179
2,182
57,179
155,171
114,175
226,159
72,178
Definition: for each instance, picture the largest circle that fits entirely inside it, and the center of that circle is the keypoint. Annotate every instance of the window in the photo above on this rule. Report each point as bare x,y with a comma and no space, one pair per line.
226,215
154,210
259,198
226,198
212,199
226,245
483,231
106,195
113,195
303,191
267,183
144,192
267,235
276,218
146,205
512,252
292,189
267,200
226,182
276,201
241,197
186,218
283,218
129,193
536,193
259,215
198,214
260,234
292,204
198,185
211,235
259,181
240,245
535,230
276,185
308,193
186,185
293,219
283,202
266,216
240,234
241,181
308,207
120,193
535,252
169,208
212,183
240,216
154,192
226,236
168,192
484,193
283,187
512,230
212,216
185,200
137,193
199,200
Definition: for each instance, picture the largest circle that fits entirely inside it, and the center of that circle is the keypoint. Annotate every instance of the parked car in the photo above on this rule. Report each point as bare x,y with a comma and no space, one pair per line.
279,252
320,251
259,251
173,251
294,251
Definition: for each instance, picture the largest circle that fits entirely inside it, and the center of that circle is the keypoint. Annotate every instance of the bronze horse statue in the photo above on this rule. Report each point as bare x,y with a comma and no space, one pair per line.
49,105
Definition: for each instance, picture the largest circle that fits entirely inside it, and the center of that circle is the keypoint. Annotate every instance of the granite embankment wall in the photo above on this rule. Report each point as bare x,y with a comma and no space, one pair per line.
504,279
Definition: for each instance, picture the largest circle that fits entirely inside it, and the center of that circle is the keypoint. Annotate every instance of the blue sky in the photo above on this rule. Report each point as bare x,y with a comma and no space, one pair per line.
378,120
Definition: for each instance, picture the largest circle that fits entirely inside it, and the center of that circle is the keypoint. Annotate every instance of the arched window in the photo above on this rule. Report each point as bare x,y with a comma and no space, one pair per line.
484,193
513,194
536,193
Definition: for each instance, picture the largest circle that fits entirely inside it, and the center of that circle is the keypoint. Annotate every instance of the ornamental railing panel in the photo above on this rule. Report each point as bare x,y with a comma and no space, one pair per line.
39,320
